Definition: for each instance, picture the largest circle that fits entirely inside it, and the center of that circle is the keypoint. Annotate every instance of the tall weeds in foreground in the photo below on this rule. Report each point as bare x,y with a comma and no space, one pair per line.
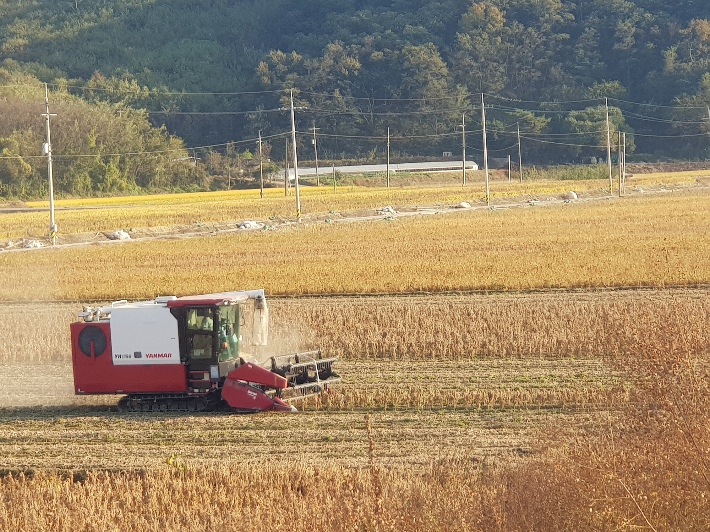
447,496
648,468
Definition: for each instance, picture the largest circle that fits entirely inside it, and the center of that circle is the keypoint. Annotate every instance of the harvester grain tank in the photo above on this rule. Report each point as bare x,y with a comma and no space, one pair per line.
185,354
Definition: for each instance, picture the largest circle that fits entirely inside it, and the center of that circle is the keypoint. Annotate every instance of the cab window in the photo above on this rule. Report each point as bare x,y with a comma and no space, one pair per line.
229,330
200,333
201,348
200,319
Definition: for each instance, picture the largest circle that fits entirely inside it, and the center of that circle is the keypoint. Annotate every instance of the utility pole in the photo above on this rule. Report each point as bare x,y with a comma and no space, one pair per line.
463,149
485,149
287,178
510,175
295,160
520,156
335,188
623,168
47,149
261,164
621,164
619,132
608,146
315,149
388,160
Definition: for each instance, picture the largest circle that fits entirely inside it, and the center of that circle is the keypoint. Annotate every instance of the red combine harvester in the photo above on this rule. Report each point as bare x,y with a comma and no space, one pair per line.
185,354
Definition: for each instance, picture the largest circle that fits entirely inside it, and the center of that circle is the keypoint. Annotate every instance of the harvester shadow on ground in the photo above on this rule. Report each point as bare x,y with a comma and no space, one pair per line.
29,413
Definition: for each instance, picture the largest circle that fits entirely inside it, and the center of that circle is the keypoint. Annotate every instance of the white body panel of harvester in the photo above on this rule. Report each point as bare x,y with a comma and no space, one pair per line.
144,333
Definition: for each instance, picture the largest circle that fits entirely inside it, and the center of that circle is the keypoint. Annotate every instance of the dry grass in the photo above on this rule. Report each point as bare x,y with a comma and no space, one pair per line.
107,214
647,466
654,241
519,326
446,497
542,326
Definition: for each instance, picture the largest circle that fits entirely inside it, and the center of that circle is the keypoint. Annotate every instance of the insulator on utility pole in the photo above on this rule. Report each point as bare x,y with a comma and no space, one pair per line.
47,149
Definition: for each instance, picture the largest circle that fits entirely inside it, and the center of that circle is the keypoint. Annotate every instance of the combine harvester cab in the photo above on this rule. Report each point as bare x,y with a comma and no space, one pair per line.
185,354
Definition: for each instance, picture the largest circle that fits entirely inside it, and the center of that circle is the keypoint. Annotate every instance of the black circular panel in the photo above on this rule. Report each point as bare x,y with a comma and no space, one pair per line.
92,334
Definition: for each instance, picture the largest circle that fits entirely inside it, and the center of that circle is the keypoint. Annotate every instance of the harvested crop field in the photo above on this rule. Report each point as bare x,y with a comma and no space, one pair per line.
457,412
77,439
475,374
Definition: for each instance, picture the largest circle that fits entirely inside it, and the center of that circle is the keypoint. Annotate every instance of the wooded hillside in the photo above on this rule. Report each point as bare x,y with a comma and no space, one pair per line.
216,71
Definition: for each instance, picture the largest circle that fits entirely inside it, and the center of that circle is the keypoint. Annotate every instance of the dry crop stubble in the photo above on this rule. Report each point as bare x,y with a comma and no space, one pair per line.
590,478
655,241
80,439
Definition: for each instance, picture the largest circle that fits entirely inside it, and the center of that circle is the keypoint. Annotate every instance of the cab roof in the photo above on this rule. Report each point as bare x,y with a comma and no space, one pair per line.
224,298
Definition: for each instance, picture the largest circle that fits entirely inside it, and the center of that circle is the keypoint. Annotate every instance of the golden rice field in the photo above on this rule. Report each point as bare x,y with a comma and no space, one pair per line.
110,214
638,241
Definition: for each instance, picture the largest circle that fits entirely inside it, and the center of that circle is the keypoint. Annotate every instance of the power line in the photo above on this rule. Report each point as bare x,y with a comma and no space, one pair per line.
490,149
669,136
662,120
504,132
564,143
154,152
544,102
258,111
156,92
658,105
365,137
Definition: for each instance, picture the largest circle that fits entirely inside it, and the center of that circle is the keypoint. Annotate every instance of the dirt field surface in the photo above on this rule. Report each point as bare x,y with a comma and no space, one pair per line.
69,433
